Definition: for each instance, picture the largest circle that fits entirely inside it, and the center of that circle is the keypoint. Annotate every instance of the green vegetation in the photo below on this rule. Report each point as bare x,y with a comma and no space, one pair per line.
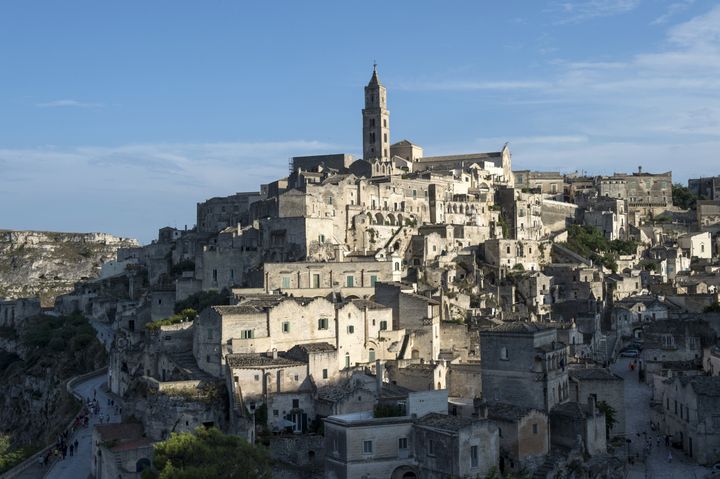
208,453
388,410
10,457
610,414
184,316
589,242
182,266
504,226
202,300
682,197
713,308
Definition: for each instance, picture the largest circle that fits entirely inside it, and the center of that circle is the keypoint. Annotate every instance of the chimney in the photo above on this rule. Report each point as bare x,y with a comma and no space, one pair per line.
274,353
591,404
379,375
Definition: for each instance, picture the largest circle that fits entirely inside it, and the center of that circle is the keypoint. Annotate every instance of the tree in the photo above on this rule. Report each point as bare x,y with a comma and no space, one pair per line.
713,308
682,197
609,412
208,454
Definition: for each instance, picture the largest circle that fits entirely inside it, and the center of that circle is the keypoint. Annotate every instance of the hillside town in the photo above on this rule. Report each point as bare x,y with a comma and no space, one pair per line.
408,316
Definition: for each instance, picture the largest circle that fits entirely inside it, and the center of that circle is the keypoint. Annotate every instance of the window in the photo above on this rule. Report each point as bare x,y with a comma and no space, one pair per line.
349,281
371,355
321,238
402,443
246,334
367,447
473,456
322,323
383,325
276,412
214,273
351,329
257,377
325,374
431,448
535,428
316,280
286,327
373,280
504,353
286,282
296,403
347,360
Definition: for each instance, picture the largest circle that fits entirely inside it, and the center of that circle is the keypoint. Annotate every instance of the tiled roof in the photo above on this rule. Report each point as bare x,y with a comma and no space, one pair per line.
444,421
315,347
517,327
366,303
251,361
507,412
703,385
593,374
119,431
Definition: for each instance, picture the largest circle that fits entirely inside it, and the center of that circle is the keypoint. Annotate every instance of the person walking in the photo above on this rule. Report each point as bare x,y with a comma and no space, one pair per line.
669,457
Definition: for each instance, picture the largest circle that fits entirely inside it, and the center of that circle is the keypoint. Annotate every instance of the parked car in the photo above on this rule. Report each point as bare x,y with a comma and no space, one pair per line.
630,353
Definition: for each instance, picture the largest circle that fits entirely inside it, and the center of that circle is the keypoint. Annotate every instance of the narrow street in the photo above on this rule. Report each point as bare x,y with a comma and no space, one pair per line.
78,465
637,417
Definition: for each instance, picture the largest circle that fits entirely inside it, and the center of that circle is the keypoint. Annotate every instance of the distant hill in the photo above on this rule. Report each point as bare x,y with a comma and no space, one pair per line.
47,264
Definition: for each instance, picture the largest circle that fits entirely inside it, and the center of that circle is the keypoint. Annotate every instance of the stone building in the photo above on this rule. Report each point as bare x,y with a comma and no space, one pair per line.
524,364
696,245
690,411
508,254
120,450
577,425
604,386
216,214
705,188
432,445
319,279
647,194
524,435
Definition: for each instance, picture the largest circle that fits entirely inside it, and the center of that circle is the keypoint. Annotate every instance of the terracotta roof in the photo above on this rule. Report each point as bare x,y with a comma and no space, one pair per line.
119,431
507,412
252,361
517,327
593,374
444,421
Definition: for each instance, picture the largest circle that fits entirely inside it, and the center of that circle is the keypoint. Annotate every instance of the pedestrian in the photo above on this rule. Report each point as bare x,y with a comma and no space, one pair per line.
72,449
669,456
112,402
76,445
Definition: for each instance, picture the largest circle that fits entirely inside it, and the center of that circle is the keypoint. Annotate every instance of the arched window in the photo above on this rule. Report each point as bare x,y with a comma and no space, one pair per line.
347,360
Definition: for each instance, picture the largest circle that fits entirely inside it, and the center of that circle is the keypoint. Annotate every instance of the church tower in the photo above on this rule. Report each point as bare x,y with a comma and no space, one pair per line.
376,120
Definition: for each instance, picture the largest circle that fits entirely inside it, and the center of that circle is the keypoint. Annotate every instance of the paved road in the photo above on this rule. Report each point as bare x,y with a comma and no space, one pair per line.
637,420
78,466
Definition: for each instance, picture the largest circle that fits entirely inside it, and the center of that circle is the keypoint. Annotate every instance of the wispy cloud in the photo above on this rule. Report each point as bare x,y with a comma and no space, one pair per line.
581,11
470,85
672,10
69,104
154,183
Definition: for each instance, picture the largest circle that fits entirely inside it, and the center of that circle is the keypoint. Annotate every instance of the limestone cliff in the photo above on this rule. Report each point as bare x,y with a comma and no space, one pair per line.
37,357
46,264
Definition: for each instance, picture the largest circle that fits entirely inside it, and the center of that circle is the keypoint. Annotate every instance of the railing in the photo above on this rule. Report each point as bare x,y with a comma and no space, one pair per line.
33,460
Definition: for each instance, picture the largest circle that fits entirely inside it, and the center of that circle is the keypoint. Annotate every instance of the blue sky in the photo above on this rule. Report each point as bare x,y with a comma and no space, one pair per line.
120,116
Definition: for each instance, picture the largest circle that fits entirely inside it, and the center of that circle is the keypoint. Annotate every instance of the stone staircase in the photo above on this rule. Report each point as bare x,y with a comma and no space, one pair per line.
186,362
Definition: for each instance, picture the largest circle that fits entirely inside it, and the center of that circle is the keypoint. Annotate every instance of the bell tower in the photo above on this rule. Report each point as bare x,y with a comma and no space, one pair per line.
376,120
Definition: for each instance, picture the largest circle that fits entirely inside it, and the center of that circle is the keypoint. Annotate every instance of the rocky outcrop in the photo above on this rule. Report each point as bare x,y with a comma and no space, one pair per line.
37,357
47,264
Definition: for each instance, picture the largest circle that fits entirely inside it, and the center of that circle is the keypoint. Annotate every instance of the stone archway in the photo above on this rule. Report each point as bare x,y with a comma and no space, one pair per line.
404,472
